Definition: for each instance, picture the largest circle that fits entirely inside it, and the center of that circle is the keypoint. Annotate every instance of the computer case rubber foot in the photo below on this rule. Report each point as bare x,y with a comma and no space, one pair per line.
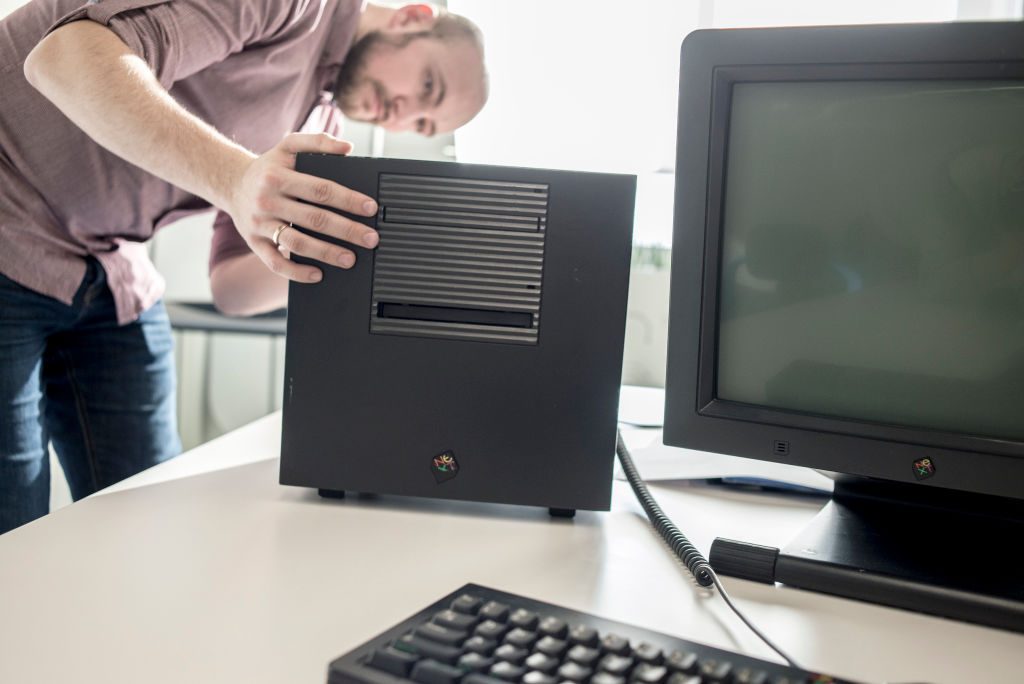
331,493
562,512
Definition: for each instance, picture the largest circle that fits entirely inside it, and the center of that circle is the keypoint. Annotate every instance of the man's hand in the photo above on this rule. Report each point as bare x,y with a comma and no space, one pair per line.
268,196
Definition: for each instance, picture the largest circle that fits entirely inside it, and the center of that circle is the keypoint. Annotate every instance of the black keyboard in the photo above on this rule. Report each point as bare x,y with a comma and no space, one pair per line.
477,635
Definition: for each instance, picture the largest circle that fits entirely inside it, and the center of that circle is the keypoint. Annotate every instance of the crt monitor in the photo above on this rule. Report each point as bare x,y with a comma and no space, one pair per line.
848,294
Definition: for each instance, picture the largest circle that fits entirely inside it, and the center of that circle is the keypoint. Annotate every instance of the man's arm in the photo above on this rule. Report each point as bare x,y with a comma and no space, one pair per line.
242,286
112,95
240,283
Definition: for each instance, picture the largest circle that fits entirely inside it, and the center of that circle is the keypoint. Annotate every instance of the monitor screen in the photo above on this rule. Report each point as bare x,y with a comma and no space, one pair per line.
872,239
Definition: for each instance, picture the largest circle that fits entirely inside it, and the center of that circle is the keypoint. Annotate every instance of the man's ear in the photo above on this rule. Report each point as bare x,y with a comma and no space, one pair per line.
411,18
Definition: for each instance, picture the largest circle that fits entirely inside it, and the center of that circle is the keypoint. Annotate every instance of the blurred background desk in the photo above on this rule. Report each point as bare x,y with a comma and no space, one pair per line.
203,317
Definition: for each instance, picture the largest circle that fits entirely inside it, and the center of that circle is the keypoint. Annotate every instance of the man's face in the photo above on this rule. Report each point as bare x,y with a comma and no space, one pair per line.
425,85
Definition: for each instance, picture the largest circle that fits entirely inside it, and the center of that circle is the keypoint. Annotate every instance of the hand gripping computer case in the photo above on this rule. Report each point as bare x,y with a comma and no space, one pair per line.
476,354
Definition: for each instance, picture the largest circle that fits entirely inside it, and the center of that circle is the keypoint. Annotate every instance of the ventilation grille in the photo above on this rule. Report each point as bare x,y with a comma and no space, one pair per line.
459,258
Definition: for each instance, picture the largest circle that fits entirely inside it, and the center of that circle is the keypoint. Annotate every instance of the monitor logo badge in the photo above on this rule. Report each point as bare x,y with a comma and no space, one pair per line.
924,468
444,467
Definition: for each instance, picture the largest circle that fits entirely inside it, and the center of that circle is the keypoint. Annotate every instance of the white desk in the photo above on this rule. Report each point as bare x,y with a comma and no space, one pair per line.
226,576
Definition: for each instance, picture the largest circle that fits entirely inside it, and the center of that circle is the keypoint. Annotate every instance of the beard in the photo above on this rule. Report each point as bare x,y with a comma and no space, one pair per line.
353,74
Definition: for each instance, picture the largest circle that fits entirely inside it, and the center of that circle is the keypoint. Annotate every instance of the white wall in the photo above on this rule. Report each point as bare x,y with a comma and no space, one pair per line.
989,9
8,6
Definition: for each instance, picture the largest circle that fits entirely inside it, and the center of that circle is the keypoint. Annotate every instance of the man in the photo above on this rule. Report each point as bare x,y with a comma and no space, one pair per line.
121,116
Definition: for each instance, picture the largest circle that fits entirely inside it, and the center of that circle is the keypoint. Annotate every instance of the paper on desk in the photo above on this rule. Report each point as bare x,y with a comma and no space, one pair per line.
659,462
641,406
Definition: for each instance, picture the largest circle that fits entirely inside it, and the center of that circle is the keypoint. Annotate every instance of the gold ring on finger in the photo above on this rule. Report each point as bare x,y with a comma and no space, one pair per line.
277,233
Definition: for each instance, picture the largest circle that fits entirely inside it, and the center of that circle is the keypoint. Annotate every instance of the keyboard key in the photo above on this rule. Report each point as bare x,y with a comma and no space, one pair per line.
542,663
507,671
682,661
551,646
392,660
511,654
583,655
489,629
646,673
493,610
616,664
366,675
479,678
441,635
648,653
453,619
552,626
428,649
432,672
467,603
478,644
613,643
606,678
475,662
584,636
525,619
715,670
536,677
683,678
574,672
521,638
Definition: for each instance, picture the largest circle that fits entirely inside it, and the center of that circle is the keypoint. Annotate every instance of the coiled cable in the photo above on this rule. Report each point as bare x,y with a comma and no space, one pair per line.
680,545
676,540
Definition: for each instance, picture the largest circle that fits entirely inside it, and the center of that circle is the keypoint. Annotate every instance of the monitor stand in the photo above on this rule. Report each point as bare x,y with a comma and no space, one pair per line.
922,548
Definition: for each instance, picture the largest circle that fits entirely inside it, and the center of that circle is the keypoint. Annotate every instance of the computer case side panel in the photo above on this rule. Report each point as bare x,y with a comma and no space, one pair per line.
477,353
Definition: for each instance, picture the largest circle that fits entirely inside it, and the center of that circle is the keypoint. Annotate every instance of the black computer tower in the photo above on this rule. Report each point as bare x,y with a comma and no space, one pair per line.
476,354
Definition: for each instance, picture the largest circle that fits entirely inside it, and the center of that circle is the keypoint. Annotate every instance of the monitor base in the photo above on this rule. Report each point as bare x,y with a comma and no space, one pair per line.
932,551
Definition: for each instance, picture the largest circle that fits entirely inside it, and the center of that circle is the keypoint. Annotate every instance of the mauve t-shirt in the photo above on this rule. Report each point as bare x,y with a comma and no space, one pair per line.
255,70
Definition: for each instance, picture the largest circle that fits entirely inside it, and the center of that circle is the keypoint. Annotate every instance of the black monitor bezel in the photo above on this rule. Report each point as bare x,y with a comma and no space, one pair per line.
712,62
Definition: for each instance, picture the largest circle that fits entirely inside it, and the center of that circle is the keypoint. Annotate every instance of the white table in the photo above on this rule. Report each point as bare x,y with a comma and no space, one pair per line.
227,576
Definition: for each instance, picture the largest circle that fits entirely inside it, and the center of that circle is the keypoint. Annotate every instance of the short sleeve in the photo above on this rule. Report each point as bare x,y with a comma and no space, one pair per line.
227,243
178,38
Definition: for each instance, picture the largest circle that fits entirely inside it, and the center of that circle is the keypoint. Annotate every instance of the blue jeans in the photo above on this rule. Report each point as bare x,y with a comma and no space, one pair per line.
102,393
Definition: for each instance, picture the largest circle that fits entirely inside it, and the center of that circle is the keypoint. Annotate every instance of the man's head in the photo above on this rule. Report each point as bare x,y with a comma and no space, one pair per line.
421,71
